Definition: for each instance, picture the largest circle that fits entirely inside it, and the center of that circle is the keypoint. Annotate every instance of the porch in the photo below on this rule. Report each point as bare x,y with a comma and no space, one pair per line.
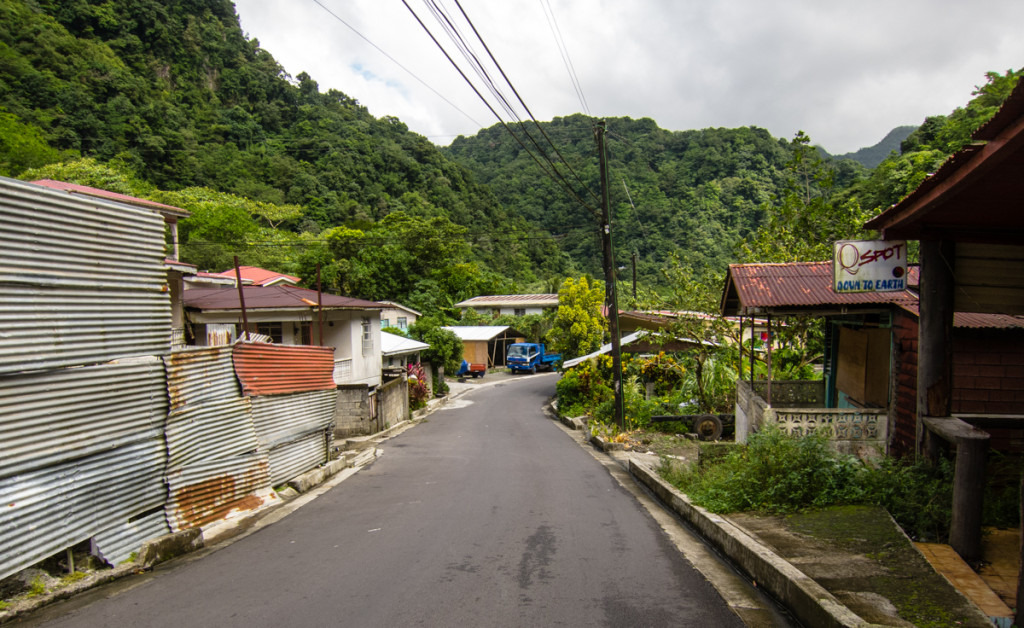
798,408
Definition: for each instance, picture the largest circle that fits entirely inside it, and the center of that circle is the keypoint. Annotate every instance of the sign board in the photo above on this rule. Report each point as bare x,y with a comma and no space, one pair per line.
869,266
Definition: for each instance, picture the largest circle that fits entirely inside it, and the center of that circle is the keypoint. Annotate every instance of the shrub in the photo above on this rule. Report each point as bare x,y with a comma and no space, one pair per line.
418,393
778,473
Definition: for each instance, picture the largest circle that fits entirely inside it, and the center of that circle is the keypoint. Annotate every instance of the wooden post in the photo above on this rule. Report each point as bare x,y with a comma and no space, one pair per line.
611,292
935,334
241,300
968,481
319,307
769,399
753,330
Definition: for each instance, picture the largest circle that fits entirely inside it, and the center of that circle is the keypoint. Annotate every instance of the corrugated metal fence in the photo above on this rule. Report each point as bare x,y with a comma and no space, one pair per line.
82,451
105,434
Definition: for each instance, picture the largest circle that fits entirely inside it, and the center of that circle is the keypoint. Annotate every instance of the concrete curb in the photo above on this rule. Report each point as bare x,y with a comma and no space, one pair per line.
809,602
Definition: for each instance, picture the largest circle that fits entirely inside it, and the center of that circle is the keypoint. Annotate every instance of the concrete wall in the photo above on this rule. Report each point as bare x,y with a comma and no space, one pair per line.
392,403
750,410
352,412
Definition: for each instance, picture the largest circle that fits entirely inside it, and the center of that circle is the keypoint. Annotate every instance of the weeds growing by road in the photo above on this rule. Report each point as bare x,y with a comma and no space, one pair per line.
777,473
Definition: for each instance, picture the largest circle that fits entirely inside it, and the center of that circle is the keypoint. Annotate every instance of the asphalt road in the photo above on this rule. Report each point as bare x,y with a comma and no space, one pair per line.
486,514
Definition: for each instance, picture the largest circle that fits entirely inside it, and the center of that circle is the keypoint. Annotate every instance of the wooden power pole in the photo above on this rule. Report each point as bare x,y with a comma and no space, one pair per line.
611,294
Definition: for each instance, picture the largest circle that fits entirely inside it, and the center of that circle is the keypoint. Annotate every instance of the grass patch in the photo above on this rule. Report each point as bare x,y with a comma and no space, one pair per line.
780,474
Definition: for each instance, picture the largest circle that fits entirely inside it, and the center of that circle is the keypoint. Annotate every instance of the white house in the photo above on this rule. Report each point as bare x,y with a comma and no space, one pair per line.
290,315
397,315
398,351
513,304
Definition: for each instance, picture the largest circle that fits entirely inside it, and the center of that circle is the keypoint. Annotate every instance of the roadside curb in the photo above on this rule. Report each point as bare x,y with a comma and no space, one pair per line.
809,602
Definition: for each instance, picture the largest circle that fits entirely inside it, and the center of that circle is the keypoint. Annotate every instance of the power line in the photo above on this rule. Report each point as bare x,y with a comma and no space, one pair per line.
523,103
553,173
395,61
560,42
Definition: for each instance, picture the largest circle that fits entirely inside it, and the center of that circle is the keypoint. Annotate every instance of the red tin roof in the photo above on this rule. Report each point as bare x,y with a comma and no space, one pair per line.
265,369
763,288
269,297
258,276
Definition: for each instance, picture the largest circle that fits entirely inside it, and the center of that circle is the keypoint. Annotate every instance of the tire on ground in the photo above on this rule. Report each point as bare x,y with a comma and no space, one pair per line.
707,427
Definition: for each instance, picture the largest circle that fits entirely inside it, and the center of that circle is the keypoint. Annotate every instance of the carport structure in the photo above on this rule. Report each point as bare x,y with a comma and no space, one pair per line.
486,344
969,221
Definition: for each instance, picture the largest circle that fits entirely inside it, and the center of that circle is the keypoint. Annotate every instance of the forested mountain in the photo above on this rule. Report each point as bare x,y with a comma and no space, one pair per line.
173,96
692,193
170,101
873,155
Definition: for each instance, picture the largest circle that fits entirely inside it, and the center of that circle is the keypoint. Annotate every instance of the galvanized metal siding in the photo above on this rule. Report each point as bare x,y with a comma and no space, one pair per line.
51,417
291,459
207,491
49,509
295,430
81,280
283,418
117,544
265,369
213,462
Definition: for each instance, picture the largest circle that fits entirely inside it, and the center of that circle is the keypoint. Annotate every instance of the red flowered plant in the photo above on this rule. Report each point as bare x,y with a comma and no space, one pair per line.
418,391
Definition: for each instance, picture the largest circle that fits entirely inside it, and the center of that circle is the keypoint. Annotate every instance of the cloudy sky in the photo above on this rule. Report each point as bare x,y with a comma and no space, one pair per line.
844,72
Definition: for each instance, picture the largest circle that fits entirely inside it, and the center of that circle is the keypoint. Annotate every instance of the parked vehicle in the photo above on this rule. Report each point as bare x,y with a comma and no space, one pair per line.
530,357
474,370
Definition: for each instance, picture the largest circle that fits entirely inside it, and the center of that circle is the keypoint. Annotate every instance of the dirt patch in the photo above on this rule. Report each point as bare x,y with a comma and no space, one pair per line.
861,556
659,443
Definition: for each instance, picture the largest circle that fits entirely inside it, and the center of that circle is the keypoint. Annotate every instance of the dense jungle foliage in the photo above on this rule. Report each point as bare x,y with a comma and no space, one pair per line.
171,101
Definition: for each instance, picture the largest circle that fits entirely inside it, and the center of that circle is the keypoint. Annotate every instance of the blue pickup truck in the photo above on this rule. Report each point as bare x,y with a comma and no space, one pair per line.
530,357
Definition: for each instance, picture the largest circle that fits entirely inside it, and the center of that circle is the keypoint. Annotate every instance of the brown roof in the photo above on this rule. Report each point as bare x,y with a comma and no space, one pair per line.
975,195
269,297
510,300
167,210
975,320
798,286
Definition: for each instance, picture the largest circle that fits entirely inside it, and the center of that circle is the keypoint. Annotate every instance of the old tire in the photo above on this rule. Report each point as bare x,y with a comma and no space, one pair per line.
708,427
533,370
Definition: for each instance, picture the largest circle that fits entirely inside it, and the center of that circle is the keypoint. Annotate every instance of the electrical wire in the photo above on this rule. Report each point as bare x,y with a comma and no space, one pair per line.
556,32
393,60
553,172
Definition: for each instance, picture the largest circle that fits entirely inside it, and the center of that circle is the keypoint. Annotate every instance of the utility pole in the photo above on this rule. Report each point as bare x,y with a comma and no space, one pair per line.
611,294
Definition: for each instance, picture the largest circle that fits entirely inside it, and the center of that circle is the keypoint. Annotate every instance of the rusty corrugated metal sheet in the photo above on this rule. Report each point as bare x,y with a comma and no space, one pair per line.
801,284
207,491
50,417
208,419
82,280
199,375
46,510
213,466
265,369
975,320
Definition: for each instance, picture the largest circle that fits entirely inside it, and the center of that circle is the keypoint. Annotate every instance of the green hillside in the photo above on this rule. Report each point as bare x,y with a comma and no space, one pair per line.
170,101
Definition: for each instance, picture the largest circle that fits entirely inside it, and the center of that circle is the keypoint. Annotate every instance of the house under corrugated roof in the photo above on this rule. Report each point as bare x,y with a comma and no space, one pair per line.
256,276
799,287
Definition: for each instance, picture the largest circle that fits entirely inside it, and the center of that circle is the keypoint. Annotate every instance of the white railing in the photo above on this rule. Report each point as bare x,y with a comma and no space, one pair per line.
342,370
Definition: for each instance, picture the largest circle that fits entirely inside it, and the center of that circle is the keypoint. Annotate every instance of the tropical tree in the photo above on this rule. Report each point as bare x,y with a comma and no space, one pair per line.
578,327
808,215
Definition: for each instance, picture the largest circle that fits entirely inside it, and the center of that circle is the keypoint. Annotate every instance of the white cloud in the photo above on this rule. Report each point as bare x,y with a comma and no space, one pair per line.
846,73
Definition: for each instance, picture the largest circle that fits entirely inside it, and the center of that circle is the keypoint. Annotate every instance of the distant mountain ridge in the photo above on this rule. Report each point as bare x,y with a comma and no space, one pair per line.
871,156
